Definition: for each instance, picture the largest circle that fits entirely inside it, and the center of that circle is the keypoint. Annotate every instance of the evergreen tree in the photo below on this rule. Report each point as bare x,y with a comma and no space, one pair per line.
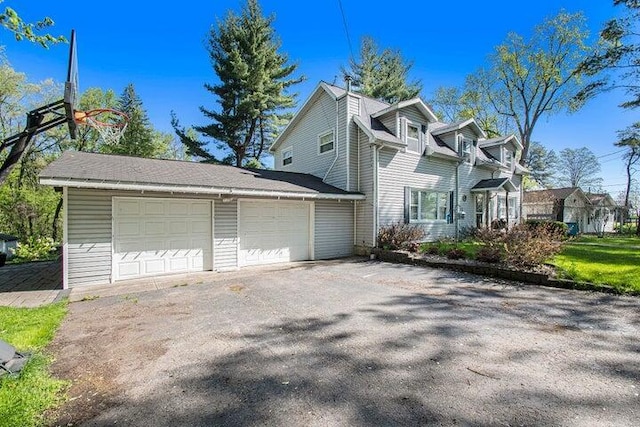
382,74
138,138
251,92
542,164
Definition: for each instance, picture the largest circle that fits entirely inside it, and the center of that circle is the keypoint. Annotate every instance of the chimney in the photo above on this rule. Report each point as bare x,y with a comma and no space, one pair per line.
347,80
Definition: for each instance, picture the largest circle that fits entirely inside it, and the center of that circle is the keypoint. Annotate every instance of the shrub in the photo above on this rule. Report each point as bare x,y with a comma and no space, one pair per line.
554,227
490,254
499,224
456,253
522,245
467,233
399,235
413,247
35,248
431,249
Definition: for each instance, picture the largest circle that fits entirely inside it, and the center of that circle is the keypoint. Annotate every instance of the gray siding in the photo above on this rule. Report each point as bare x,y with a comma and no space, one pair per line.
337,176
303,139
89,237
398,170
390,122
225,242
364,208
333,229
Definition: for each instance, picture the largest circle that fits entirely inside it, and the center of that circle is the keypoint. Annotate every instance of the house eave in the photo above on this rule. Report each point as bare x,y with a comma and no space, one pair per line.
194,189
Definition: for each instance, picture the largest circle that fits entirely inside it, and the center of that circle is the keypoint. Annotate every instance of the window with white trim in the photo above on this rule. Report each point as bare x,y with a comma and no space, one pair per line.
508,158
479,210
413,138
502,211
287,156
326,142
464,148
428,206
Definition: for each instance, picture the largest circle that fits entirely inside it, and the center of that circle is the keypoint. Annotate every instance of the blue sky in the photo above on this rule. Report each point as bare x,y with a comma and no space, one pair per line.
160,48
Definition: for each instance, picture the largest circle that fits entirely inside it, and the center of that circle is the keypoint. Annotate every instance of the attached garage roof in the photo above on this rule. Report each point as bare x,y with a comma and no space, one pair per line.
102,171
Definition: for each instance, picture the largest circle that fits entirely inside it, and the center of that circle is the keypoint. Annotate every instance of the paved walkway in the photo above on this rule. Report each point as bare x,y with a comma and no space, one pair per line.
31,284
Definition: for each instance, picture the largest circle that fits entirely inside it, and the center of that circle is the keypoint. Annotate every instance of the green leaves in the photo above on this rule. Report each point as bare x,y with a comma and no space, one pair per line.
382,74
22,30
251,92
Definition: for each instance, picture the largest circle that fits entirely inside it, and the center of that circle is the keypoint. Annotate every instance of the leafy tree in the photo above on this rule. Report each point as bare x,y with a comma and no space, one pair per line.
619,53
454,104
527,79
382,74
630,139
541,163
578,168
252,91
138,138
87,138
11,21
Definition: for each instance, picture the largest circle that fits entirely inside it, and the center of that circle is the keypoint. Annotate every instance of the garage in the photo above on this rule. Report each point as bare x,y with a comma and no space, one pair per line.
274,231
160,236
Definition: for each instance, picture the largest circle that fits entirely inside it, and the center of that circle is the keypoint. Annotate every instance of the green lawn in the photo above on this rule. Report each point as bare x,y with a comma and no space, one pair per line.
25,398
612,261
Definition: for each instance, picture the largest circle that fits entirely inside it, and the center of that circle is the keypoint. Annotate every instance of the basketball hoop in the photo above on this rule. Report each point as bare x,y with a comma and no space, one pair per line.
109,123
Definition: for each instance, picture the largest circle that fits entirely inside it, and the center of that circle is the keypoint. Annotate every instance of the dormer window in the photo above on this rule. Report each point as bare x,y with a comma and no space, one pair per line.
508,158
464,148
413,138
287,156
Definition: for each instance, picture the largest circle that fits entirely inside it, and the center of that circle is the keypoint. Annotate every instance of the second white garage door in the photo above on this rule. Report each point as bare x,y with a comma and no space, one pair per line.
160,236
274,231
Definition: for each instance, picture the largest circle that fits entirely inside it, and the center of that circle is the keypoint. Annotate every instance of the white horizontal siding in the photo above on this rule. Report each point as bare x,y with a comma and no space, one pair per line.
333,229
89,237
303,139
337,176
225,242
399,170
365,208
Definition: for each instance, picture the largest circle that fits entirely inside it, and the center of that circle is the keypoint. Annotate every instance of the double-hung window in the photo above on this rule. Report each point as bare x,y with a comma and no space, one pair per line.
464,148
413,138
326,142
287,156
426,205
502,208
508,158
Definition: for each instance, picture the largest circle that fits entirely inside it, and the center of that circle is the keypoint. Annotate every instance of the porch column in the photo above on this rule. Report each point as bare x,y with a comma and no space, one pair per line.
486,208
506,207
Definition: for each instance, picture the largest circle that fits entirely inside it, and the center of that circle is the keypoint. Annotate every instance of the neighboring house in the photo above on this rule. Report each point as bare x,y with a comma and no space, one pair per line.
591,212
602,215
127,217
410,166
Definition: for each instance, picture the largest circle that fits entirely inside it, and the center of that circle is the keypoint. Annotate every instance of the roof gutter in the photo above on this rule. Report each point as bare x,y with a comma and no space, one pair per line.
109,185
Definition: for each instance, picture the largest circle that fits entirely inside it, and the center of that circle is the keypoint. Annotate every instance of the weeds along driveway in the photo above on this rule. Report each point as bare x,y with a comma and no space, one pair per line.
352,343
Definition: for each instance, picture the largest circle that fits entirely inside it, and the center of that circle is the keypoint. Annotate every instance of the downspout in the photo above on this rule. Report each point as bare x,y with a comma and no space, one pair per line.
376,219
347,155
335,138
457,204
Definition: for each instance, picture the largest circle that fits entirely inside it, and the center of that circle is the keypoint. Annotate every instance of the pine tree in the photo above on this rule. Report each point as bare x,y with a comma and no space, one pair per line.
138,138
252,90
382,74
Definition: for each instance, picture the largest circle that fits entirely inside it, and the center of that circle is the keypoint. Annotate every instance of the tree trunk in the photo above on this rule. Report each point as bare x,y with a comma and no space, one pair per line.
54,232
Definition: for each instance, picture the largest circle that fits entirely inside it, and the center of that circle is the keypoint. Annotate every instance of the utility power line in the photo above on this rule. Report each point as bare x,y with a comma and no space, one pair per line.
346,29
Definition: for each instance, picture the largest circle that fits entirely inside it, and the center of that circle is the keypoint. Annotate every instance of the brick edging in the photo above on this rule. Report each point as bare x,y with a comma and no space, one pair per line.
485,269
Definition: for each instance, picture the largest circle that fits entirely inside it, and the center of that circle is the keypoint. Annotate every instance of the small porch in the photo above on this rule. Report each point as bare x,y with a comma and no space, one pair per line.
496,203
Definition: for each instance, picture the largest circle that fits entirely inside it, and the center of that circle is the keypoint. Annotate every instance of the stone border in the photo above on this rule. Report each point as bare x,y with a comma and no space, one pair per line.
486,269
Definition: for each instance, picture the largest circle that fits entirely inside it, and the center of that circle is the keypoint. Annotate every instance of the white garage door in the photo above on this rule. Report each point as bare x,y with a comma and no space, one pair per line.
273,231
160,236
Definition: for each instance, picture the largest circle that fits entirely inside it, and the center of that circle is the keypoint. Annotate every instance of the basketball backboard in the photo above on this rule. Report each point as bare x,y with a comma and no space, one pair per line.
71,86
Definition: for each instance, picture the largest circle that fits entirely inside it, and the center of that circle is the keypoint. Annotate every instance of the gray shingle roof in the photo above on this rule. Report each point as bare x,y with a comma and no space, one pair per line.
79,166
548,195
493,184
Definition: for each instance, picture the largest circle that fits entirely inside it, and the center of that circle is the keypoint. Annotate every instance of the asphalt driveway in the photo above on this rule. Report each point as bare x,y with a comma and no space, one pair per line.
352,343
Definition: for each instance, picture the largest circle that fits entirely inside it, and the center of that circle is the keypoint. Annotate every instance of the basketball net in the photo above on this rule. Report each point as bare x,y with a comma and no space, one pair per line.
109,123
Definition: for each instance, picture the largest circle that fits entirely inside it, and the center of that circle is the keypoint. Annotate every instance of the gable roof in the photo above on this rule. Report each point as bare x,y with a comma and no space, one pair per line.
491,142
494,184
603,199
417,102
323,88
552,194
104,171
471,123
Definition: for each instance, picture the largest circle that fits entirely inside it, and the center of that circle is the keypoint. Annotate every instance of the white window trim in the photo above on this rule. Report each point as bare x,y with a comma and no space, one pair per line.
284,150
323,134
427,221
405,135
